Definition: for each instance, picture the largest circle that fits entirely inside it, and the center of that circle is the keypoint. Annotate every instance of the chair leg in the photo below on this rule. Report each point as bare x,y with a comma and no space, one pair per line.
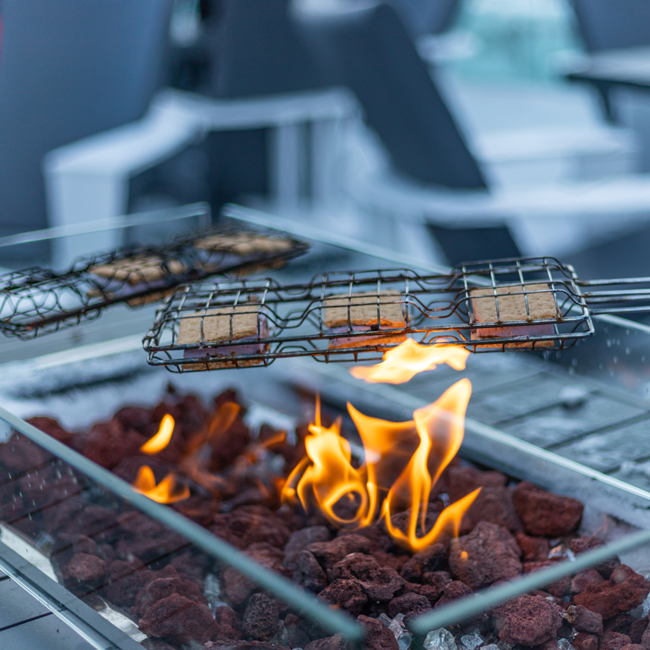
285,165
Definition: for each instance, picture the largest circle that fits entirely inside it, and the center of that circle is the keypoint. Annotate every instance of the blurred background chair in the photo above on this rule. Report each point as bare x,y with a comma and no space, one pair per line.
430,173
270,111
70,69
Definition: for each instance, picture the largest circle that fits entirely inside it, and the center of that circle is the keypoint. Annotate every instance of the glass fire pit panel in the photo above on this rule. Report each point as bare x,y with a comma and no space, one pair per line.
224,562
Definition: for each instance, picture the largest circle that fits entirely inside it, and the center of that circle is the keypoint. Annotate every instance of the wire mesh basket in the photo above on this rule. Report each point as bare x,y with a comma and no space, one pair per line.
37,301
355,316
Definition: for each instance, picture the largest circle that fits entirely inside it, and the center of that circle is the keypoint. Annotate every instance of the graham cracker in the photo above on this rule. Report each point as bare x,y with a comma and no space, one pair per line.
363,309
512,304
138,269
216,325
244,243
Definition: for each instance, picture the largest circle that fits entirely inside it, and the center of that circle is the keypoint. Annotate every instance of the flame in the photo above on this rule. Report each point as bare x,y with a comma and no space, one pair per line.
162,438
403,462
224,419
167,491
403,362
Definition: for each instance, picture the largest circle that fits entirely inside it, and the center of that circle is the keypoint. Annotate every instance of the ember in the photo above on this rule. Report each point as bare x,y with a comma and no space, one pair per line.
373,537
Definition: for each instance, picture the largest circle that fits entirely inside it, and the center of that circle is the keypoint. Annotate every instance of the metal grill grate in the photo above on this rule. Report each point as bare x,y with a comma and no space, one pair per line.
37,301
356,316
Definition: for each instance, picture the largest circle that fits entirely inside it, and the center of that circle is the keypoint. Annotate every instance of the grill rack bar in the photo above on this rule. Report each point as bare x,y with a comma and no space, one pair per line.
38,301
291,320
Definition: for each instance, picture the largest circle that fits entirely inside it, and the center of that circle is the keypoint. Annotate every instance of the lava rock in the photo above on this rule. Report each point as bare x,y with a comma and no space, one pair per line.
583,544
645,638
379,583
533,549
180,620
585,579
637,629
85,568
108,442
228,622
546,514
455,590
559,588
624,591
52,428
528,620
489,553
299,539
584,620
261,619
409,604
614,641
308,573
463,480
346,594
250,524
584,641
620,623
126,581
391,560
164,587
229,443
427,560
437,579
336,642
239,645
377,536
493,504
633,646
378,637
329,553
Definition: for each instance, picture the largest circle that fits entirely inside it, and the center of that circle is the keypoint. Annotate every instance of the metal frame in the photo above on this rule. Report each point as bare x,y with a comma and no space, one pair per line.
38,301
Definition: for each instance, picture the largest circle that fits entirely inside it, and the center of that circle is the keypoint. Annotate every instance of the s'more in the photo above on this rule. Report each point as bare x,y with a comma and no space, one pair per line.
512,304
225,332
230,248
371,312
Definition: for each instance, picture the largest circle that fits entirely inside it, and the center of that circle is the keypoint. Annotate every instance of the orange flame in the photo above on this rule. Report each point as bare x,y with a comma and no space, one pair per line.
167,491
403,462
224,419
403,362
162,438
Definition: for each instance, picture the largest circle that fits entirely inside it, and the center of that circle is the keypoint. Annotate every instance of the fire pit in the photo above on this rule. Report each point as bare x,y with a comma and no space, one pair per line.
130,497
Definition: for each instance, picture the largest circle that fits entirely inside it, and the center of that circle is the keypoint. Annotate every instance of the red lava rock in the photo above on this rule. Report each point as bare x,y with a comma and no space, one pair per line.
431,593
126,581
228,622
66,545
620,623
347,594
585,579
546,514
438,579
236,587
162,588
229,444
299,539
138,418
585,642
528,620
409,604
378,637
559,588
463,480
488,554
52,428
108,442
632,646
180,620
637,629
427,560
308,573
533,548
297,631
128,467
336,642
378,538
261,619
645,638
493,504
583,544
614,641
329,553
85,568
624,591
379,583
455,590
20,454
396,562
250,524
584,620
